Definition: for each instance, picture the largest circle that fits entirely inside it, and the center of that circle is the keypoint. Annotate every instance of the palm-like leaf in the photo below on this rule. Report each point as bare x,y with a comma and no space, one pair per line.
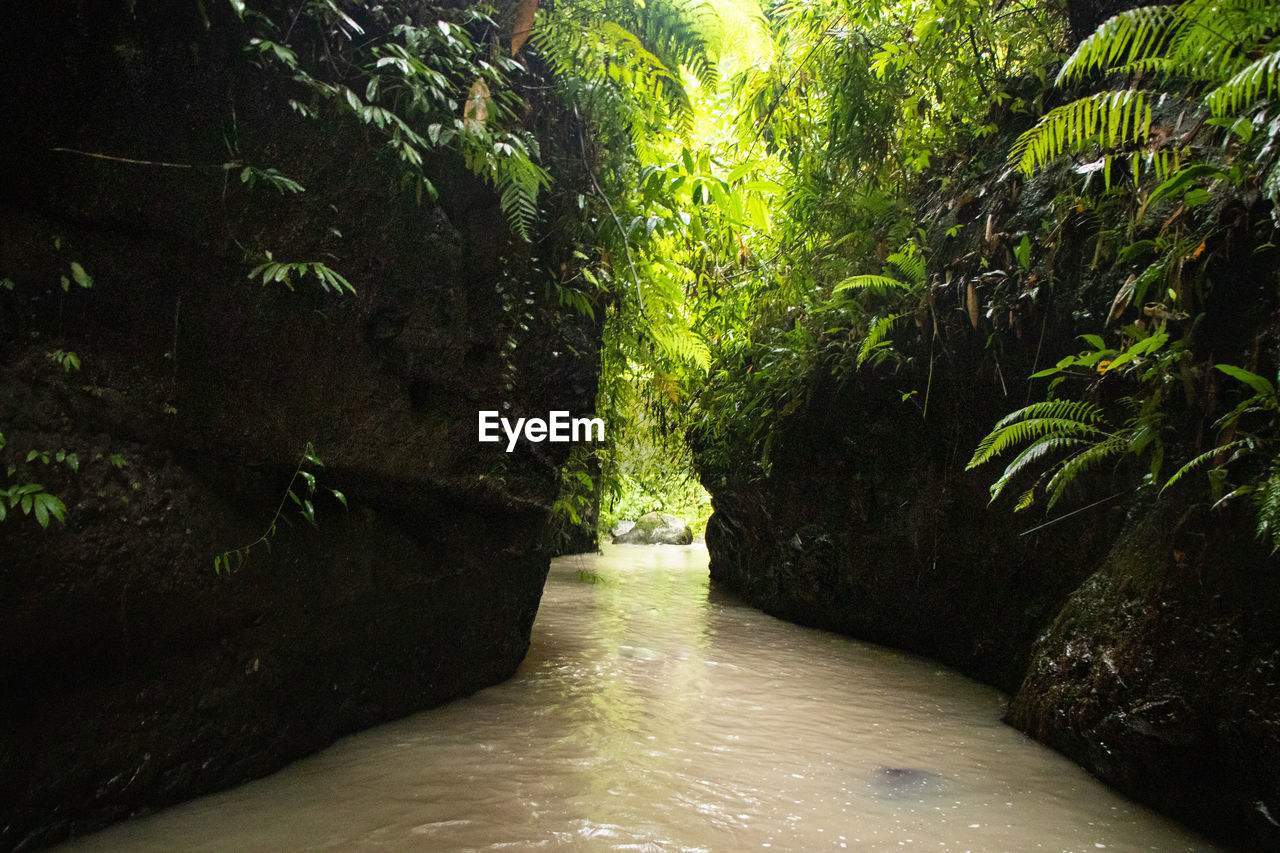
876,283
1228,48
1106,119
877,334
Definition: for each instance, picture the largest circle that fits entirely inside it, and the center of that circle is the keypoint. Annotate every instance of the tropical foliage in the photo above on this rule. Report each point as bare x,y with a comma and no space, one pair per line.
1214,66
764,209
752,224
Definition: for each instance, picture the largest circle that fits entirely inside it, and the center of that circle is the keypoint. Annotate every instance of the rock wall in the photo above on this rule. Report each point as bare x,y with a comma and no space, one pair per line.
132,675
1160,674
1140,639
869,525
1144,646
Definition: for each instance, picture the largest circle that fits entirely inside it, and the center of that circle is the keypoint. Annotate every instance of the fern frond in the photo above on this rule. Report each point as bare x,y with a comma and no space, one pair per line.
1072,468
1202,40
877,334
1034,452
518,183
1025,500
1001,440
1052,418
1124,39
1202,458
879,283
910,264
1214,38
680,343
1267,500
1076,410
639,49
1260,79
1103,118
680,31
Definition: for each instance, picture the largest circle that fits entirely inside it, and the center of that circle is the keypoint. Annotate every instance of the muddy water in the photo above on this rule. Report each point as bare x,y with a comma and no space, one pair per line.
654,713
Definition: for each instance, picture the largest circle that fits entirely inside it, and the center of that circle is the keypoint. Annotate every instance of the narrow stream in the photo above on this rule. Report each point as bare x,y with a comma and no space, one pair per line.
654,713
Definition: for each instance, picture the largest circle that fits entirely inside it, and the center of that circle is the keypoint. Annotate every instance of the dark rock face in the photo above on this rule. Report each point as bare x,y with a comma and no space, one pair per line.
869,525
1152,662
132,676
1146,644
656,528
1160,674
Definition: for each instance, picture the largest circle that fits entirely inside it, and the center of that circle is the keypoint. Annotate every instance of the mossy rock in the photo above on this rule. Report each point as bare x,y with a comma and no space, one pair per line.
657,528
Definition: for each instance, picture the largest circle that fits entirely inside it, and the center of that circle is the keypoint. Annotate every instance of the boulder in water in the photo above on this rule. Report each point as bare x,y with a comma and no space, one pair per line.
657,528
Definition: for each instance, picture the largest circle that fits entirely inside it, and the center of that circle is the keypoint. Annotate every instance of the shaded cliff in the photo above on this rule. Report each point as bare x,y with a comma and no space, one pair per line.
132,675
1139,636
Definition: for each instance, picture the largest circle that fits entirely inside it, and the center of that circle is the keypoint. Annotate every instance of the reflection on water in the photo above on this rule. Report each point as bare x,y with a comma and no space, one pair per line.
654,714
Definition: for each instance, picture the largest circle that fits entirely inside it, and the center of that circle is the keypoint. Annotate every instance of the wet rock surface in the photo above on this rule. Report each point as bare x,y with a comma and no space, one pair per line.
132,675
656,528
1160,673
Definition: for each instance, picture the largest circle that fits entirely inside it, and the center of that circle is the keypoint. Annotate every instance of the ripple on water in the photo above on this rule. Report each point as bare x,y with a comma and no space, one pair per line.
654,713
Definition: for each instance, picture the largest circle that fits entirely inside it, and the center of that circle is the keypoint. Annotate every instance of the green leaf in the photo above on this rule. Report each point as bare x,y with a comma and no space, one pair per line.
48,506
1258,383
1023,252
82,278
1184,179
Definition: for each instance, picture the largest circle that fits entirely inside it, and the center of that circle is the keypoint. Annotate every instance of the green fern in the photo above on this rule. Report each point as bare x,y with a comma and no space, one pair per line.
878,336
284,273
909,264
1033,453
1076,464
875,283
1259,80
1074,431
518,183
1121,41
680,343
1241,445
1201,40
1106,119
1223,451
1226,48
1048,418
1267,504
640,48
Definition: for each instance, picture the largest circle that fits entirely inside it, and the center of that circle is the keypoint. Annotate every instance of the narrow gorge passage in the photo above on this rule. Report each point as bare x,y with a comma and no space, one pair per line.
655,712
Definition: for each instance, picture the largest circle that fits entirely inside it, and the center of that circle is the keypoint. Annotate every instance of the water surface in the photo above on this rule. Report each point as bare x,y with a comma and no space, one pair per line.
654,713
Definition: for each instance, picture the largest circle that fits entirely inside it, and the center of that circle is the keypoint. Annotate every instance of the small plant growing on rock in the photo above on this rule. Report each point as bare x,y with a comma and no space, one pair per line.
233,559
